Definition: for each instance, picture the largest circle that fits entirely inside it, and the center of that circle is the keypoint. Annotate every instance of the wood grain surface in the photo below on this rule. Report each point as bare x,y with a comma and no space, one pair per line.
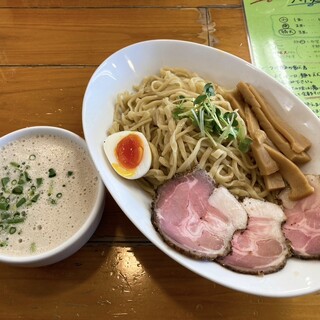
48,52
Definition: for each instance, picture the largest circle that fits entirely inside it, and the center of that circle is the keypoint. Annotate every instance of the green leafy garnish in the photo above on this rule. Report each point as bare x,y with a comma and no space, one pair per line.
244,145
218,124
177,111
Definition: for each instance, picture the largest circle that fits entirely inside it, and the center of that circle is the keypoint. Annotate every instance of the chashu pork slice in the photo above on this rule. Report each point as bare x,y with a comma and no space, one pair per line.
195,217
302,227
262,247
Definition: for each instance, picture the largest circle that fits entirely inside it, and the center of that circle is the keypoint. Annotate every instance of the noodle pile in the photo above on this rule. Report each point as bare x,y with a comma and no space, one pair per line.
177,145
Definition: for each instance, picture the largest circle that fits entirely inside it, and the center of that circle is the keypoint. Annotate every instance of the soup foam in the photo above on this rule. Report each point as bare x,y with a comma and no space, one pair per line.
61,172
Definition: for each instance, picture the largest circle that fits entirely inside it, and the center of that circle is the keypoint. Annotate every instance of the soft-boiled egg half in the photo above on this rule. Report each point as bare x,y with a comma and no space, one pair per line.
128,153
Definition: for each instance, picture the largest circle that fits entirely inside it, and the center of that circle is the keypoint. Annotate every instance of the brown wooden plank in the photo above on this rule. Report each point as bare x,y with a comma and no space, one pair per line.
42,96
104,282
230,34
116,3
115,226
88,36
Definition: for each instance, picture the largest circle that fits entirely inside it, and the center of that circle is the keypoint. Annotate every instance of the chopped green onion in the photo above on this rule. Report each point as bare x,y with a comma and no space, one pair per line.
23,192
27,176
39,182
15,220
21,202
33,247
35,198
3,199
5,181
15,164
12,230
17,190
5,215
4,206
52,173
50,190
21,181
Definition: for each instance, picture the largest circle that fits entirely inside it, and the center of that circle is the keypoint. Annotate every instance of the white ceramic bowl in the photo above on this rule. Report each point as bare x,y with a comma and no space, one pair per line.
92,218
128,67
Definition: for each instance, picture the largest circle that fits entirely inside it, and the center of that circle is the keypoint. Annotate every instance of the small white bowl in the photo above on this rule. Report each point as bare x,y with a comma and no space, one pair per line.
90,222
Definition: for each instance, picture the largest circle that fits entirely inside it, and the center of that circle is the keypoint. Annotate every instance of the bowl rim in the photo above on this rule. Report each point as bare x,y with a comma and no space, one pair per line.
82,235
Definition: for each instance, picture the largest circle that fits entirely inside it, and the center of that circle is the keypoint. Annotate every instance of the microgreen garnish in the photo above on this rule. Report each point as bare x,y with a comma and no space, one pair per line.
218,124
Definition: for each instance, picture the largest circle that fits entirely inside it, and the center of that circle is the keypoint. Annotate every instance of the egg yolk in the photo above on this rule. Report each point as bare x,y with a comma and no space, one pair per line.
129,151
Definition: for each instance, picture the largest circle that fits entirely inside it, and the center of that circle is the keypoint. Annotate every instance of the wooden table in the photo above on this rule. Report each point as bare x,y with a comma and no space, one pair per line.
48,51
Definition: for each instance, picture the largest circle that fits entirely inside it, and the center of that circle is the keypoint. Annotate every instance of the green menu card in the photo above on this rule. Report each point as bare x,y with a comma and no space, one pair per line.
284,38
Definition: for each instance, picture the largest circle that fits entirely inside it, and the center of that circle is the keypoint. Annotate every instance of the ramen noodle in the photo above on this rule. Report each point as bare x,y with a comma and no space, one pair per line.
177,145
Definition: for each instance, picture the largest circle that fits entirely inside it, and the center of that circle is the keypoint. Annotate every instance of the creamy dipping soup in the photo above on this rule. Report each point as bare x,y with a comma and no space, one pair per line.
48,187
